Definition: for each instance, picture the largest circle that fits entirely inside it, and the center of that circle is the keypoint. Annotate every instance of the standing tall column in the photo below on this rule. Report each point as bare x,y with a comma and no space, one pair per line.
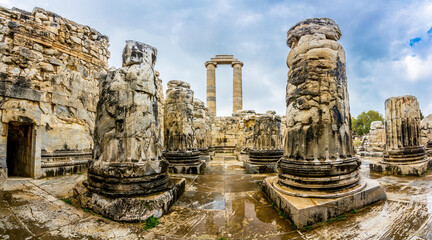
211,86
127,166
180,141
318,174
237,86
404,154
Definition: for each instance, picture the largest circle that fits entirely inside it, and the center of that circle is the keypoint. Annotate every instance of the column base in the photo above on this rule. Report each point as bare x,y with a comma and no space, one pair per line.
400,168
256,168
131,209
205,158
307,211
187,168
370,154
63,170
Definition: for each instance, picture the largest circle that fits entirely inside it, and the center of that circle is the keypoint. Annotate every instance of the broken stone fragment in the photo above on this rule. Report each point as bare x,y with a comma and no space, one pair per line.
138,53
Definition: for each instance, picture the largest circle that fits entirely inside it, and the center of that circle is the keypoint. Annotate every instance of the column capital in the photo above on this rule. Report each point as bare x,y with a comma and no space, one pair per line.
211,62
234,63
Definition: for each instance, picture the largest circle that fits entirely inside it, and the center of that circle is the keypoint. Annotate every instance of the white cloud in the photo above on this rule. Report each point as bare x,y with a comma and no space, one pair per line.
248,19
416,68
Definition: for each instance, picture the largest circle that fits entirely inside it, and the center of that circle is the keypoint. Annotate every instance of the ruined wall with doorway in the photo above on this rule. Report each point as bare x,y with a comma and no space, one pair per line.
49,71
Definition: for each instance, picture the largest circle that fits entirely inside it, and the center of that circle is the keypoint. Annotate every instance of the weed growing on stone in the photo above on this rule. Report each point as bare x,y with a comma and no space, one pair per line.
354,211
427,170
281,213
340,217
80,173
67,200
86,210
222,238
294,226
151,223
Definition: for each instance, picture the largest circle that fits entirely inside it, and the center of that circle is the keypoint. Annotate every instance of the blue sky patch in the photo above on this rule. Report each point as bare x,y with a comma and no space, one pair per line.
414,41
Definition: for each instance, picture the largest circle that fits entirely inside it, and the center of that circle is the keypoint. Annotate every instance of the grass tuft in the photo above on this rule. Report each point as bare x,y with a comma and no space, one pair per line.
151,223
67,200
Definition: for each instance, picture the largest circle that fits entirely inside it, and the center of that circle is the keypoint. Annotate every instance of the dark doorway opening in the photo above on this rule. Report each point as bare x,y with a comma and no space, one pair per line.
19,149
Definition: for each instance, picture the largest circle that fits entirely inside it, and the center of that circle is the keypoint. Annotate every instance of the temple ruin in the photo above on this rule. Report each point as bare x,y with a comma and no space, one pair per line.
127,178
266,149
404,152
237,81
318,160
180,140
374,142
49,74
92,152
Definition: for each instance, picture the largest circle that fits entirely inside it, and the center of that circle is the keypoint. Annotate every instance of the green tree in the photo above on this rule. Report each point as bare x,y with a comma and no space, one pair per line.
361,124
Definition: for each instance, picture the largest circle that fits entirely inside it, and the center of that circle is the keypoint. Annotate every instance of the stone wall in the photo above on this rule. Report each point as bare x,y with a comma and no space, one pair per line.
224,133
49,72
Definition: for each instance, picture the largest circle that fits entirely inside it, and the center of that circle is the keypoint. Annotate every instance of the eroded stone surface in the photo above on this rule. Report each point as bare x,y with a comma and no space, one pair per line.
404,153
376,137
202,128
127,179
267,144
318,175
49,71
426,133
180,140
318,146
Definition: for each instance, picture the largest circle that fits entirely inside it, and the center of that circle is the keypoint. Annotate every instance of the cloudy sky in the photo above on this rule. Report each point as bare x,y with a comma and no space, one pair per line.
388,46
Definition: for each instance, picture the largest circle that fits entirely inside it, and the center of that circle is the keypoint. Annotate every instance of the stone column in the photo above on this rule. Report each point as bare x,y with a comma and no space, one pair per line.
318,159
267,144
318,142
426,132
201,128
127,165
237,86
376,139
404,153
211,86
180,141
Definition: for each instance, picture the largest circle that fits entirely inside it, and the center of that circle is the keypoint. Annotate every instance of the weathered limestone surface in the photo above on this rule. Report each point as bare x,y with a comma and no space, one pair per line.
404,153
318,159
127,165
180,140
376,137
374,142
49,70
225,133
426,133
201,128
267,144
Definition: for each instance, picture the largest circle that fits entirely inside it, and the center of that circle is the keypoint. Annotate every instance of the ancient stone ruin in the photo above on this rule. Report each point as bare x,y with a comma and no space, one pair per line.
404,153
49,73
318,162
202,128
267,144
64,112
127,164
373,143
237,81
426,133
180,142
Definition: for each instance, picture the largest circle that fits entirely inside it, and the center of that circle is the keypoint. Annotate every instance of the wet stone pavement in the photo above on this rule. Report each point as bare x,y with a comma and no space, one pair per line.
224,202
